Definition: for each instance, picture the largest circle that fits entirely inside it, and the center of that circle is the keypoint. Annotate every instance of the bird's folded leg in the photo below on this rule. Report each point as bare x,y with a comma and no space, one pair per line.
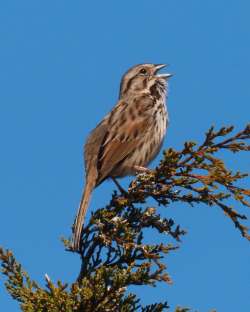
120,188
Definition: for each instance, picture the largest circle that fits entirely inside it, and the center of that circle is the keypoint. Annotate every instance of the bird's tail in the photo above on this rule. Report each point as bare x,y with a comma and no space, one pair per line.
77,228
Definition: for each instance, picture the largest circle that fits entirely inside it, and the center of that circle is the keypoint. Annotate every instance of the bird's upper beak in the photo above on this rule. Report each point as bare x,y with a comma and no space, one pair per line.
160,66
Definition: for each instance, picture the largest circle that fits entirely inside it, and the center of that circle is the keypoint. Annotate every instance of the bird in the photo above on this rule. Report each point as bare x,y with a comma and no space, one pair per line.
129,137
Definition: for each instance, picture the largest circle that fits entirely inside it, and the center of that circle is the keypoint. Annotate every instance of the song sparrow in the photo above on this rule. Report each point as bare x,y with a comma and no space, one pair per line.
129,137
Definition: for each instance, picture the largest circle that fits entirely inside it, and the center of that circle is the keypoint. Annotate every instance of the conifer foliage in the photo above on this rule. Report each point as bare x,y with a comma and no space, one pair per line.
115,255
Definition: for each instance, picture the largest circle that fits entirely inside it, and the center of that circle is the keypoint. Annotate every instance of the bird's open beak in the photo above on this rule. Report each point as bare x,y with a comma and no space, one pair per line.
160,66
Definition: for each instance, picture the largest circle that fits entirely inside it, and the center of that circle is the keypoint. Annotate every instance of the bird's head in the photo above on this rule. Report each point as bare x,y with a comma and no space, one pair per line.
141,78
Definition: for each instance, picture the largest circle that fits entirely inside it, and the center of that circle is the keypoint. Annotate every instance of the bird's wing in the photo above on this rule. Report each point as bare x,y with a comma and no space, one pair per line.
121,139
92,148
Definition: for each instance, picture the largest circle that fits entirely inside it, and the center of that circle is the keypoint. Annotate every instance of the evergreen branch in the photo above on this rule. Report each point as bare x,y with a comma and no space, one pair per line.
114,251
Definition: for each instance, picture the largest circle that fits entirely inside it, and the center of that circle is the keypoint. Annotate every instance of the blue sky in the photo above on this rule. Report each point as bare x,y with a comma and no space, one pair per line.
60,68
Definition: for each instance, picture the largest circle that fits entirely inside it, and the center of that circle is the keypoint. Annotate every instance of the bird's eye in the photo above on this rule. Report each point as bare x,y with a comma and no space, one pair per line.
143,71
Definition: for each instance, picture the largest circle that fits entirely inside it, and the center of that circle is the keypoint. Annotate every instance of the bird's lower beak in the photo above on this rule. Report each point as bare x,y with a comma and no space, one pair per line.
165,76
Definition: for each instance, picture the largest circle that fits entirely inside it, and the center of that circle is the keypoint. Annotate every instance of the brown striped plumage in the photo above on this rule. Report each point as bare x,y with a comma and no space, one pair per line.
129,137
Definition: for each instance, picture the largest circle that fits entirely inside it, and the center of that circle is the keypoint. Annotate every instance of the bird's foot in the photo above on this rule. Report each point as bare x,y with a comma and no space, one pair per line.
140,169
